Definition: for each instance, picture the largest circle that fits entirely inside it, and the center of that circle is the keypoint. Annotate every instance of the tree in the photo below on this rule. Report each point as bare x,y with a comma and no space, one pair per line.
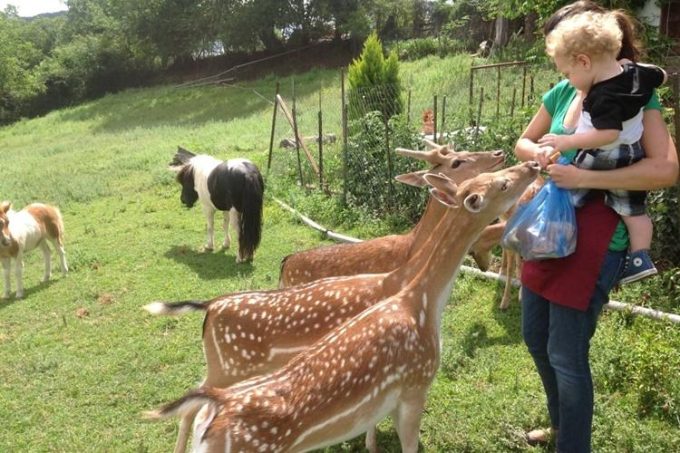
374,82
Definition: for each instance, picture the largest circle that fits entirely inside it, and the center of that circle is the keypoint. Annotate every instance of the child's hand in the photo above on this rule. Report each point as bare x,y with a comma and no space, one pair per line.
557,142
542,156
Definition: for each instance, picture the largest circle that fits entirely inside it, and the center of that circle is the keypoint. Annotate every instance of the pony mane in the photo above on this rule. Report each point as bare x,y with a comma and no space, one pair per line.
182,157
185,171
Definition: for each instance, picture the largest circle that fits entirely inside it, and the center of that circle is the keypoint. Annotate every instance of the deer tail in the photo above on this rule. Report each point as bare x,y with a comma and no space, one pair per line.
176,308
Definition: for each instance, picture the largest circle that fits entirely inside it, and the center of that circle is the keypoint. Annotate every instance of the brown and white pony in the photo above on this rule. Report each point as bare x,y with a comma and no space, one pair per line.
21,232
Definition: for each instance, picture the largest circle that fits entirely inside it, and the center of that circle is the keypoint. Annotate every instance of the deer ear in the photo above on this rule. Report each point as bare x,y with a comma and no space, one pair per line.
443,188
443,197
474,202
413,179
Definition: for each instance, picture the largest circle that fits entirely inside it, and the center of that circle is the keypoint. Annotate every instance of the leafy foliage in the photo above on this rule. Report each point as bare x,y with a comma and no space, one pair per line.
372,166
665,212
371,72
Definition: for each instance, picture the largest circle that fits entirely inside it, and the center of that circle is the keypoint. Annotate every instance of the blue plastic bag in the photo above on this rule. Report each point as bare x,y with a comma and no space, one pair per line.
545,227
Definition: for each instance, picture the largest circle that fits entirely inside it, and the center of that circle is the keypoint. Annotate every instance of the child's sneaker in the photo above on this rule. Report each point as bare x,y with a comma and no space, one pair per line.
638,266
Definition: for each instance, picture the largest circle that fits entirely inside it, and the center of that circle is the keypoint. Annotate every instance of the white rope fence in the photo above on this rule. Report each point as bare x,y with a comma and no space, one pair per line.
612,305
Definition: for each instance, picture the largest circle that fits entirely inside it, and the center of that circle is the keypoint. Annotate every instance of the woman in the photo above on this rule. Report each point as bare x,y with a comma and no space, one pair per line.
562,298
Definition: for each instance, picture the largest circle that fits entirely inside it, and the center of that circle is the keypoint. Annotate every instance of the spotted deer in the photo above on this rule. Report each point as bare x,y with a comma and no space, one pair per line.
251,333
381,362
386,253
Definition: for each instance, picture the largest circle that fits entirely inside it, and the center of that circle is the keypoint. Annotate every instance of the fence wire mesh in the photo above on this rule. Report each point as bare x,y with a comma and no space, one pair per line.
483,107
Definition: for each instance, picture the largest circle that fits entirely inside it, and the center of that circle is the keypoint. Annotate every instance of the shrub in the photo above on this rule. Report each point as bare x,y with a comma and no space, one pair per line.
374,82
664,207
372,166
640,358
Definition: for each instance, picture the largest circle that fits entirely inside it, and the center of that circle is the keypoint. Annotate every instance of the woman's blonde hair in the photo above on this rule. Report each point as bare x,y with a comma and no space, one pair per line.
590,33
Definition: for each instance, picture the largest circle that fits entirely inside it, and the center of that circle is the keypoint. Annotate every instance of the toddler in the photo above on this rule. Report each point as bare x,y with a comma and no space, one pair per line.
584,48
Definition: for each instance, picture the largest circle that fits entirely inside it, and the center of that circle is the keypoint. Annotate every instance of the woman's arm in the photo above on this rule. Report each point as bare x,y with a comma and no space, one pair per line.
657,170
527,147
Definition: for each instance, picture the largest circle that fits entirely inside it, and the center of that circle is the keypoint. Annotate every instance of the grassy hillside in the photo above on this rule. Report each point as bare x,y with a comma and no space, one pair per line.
80,360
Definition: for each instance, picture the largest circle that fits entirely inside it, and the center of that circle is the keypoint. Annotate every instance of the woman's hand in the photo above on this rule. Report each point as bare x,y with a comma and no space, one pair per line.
566,176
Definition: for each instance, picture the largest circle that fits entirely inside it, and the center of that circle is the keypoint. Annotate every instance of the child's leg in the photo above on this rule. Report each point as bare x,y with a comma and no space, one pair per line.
640,230
639,263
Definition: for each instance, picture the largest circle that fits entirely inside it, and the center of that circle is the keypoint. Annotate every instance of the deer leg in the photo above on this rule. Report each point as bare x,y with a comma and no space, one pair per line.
184,428
371,442
509,265
6,264
518,271
407,420
47,257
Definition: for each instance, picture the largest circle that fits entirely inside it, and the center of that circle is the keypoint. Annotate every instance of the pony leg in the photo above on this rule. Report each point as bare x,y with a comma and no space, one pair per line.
47,257
5,272
19,272
235,220
59,246
225,226
210,230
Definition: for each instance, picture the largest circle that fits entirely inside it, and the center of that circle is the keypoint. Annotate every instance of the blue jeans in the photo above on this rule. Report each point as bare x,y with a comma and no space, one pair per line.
558,339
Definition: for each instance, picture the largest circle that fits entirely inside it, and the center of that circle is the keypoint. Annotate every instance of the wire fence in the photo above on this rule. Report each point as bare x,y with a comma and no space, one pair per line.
490,105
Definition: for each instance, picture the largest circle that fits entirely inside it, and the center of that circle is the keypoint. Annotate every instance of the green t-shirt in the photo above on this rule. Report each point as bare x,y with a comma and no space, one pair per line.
557,102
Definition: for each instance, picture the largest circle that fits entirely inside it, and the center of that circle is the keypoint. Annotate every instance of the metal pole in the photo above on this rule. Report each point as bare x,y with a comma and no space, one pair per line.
472,76
443,114
297,138
524,84
434,121
390,170
343,119
344,154
408,108
320,143
271,138
498,91
479,113
512,105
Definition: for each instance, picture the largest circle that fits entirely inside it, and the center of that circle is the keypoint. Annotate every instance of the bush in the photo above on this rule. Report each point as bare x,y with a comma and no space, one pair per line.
664,208
640,358
374,82
414,49
372,166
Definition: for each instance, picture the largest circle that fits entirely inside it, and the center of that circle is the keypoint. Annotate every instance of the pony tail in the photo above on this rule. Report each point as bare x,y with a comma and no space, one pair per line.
250,224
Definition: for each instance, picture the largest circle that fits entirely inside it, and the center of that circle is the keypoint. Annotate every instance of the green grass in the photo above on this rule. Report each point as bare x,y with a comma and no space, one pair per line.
80,360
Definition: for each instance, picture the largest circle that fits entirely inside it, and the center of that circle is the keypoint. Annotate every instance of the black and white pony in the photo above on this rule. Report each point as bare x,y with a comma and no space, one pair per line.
234,186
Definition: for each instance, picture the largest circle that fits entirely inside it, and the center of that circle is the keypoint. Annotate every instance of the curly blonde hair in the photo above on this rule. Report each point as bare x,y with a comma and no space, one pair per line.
591,33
